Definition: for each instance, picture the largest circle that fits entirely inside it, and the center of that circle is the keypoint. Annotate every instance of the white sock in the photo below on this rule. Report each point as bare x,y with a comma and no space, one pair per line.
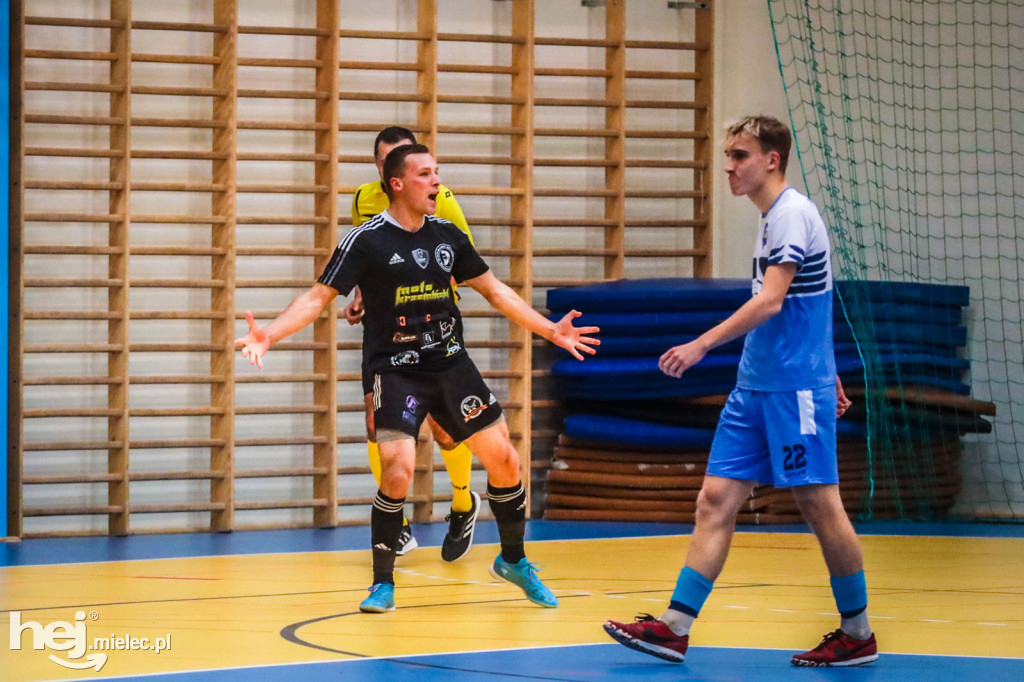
856,627
677,621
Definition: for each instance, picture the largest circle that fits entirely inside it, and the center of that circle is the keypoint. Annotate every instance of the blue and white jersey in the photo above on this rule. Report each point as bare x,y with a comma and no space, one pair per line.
792,350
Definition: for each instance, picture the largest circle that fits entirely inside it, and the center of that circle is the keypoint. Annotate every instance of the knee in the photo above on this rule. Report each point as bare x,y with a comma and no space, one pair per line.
395,479
713,506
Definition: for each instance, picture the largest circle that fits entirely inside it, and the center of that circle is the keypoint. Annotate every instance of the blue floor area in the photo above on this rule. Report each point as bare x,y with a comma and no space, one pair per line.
103,548
605,662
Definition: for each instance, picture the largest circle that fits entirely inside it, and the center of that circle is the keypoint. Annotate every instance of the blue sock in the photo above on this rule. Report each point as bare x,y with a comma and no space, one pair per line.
692,589
851,594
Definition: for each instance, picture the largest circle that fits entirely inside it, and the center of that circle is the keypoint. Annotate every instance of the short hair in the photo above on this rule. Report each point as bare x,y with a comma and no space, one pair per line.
392,135
771,133
394,164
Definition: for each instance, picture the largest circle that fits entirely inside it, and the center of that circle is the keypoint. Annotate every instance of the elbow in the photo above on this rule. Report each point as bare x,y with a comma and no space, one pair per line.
772,307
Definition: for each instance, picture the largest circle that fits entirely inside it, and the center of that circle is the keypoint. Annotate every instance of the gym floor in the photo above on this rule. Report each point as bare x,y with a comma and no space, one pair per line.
946,602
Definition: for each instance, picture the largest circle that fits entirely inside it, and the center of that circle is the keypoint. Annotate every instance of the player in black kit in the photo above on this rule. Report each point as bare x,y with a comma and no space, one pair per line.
404,260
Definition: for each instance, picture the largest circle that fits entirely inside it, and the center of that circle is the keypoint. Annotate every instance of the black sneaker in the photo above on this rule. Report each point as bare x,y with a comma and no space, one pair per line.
460,531
406,542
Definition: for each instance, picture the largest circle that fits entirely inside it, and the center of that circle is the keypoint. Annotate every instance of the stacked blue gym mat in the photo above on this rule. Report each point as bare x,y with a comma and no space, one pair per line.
635,441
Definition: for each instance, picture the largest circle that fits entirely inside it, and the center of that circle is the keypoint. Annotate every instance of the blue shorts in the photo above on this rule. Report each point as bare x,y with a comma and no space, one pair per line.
782,438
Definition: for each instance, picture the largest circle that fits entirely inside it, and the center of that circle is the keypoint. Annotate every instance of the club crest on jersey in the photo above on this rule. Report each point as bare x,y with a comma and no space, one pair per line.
396,259
453,347
445,256
421,257
405,358
447,327
471,407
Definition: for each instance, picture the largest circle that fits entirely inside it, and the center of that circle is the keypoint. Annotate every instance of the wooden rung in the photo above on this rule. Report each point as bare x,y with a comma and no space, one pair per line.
664,75
566,282
491,191
665,253
475,68
74,218
165,154
576,102
280,251
72,315
345,408
70,381
498,252
56,119
481,38
207,60
477,313
385,35
574,192
177,251
574,42
663,104
480,130
273,284
175,508
282,63
178,283
283,504
177,379
178,187
568,253
499,374
493,344
150,122
666,135
662,163
666,223
573,73
353,470
71,54
574,222
372,128
379,66
284,94
665,194
281,125
282,441
282,189
69,185
70,478
177,443
277,378
177,315
176,476
58,446
281,220
665,45
177,91
73,87
72,250
383,97
73,22
178,26
281,473
180,219
70,412
299,156
73,153
175,347
576,132
72,511
282,409
576,163
284,31
177,411
486,160
479,99
64,283
499,221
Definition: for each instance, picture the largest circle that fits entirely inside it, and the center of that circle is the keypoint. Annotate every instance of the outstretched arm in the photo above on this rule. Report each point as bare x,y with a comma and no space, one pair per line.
752,314
297,315
560,333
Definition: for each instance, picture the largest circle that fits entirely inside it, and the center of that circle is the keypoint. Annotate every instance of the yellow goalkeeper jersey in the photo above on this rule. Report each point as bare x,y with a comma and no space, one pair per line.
370,200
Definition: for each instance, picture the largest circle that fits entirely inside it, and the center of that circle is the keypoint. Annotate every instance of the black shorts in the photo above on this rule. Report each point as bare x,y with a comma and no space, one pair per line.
456,397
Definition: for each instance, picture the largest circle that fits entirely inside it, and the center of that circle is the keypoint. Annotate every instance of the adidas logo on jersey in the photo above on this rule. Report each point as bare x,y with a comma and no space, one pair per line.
396,259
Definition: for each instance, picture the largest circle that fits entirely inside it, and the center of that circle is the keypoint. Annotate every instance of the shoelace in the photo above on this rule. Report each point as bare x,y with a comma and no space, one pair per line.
644,618
834,635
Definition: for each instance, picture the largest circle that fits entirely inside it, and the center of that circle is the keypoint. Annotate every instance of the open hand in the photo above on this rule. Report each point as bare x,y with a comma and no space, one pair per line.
255,344
572,338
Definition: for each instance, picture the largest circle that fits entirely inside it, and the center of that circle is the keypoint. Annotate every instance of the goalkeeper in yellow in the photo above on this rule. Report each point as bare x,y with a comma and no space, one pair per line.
369,200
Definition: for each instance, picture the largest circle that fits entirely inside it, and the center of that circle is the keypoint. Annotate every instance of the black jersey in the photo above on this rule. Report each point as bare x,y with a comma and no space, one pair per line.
411,318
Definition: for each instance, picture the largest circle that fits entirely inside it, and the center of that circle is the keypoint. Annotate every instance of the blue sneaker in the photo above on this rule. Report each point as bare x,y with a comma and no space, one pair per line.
523,574
381,599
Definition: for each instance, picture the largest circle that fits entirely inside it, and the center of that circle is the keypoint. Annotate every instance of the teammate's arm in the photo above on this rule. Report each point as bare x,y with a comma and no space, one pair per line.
561,333
299,313
752,314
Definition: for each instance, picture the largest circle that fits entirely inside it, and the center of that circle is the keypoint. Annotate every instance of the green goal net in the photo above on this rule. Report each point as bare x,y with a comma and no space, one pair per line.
910,136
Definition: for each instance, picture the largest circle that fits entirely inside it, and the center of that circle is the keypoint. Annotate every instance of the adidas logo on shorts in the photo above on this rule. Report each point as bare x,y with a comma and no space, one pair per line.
396,259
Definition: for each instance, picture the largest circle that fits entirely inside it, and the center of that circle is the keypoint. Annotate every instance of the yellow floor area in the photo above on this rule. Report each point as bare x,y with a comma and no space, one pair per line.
928,595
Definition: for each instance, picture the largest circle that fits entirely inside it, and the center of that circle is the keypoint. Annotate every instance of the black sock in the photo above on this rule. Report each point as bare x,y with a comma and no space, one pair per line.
509,508
385,527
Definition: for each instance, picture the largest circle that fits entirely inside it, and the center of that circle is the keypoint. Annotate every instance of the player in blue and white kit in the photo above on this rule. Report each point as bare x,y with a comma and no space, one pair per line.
779,423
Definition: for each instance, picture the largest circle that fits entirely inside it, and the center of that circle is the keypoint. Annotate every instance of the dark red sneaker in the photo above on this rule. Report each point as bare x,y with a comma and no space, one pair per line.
651,636
839,649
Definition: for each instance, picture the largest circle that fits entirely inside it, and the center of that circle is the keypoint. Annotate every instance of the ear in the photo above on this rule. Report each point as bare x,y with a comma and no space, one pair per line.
396,185
774,158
